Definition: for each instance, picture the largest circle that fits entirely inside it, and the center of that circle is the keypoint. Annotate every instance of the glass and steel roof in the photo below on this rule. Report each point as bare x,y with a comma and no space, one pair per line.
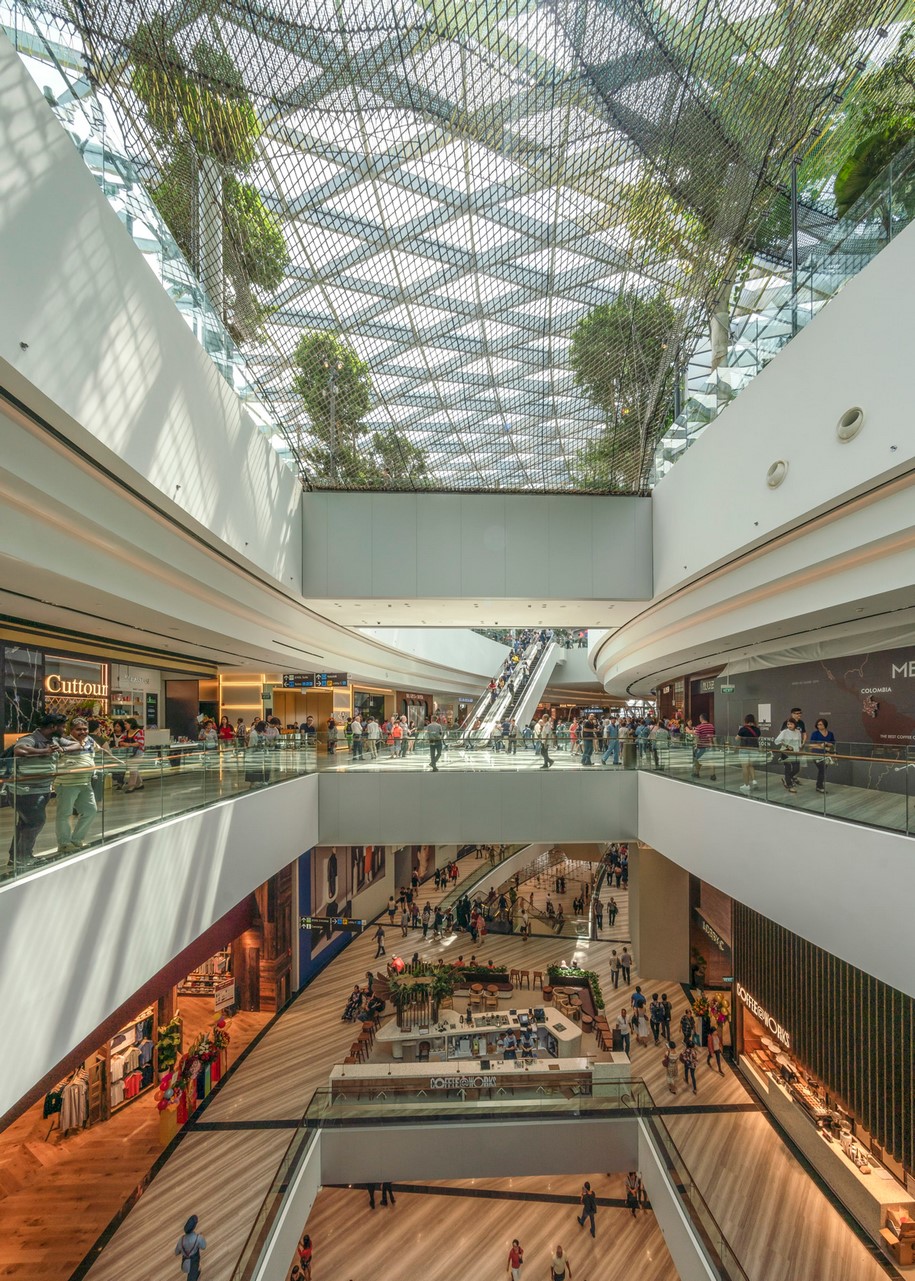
459,184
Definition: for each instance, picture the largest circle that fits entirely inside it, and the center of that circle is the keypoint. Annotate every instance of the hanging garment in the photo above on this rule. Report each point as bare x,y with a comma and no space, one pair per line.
53,1102
132,1085
74,1111
117,1093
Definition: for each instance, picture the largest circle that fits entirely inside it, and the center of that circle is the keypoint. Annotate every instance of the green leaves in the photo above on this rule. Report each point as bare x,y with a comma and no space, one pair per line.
622,354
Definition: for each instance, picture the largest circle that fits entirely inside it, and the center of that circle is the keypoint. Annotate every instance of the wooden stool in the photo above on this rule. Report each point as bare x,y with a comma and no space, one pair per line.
538,979
358,1050
350,1058
525,979
367,1033
547,993
514,977
587,1023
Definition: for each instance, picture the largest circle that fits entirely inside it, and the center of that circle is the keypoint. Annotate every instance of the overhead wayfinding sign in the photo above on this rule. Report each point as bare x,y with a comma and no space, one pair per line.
333,922
316,680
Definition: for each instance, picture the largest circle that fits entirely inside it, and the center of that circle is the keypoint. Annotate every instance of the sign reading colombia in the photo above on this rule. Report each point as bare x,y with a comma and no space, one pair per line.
764,1016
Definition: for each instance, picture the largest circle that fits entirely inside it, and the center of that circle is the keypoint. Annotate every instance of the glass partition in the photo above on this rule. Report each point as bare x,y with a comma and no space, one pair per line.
53,807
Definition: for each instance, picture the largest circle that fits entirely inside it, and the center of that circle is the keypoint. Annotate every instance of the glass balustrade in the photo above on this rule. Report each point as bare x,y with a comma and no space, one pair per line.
55,807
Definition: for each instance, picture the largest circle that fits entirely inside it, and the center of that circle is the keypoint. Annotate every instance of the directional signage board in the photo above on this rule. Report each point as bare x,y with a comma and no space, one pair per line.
299,680
332,922
331,680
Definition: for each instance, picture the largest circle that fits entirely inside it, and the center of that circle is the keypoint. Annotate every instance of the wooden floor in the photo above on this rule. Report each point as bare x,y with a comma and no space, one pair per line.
223,1174
58,1194
447,1233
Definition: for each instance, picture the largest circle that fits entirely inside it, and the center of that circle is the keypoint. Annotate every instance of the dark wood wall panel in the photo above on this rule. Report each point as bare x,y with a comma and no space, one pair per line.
849,1029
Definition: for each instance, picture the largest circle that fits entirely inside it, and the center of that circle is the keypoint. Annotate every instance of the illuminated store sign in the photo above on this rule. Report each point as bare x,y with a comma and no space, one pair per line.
764,1016
55,684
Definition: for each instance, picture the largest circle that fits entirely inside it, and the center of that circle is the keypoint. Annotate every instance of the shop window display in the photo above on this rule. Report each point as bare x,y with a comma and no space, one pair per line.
131,1063
836,1141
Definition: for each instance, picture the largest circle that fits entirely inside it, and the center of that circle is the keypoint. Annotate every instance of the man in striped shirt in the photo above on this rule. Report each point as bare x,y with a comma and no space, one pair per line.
704,737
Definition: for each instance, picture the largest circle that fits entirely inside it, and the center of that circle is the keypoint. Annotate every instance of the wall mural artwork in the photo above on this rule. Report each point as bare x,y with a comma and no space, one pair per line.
868,700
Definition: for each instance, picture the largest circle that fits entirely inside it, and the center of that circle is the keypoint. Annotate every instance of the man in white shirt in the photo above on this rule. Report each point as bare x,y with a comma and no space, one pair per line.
373,734
622,1026
560,1267
543,732
356,730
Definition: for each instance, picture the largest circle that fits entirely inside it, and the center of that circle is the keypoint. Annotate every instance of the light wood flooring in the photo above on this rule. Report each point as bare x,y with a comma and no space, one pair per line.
442,1233
57,1194
223,1174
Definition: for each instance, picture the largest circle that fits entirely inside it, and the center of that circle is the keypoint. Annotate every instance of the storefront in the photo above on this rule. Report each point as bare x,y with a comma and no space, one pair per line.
710,935
371,702
68,676
821,1043
173,1047
416,707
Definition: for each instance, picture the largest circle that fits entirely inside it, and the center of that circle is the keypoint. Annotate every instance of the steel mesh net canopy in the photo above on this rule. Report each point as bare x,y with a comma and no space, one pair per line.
405,211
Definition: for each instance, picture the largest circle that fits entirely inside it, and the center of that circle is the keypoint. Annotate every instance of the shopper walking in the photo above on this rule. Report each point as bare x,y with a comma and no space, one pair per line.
668,1012
189,1248
356,733
622,1026
688,1058
305,1253
747,743
544,731
788,743
670,1062
703,737
73,785
633,1192
713,1045
612,911
822,743
373,734
588,734
378,936
34,766
516,1260
134,741
560,1267
435,737
656,1017
588,1207
615,968
626,965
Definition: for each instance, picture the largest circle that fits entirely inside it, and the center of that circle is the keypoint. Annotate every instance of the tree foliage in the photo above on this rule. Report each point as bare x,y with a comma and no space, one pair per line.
877,125
623,355
336,389
198,112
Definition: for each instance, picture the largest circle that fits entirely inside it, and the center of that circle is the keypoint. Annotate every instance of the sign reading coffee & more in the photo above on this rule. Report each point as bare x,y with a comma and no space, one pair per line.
770,1023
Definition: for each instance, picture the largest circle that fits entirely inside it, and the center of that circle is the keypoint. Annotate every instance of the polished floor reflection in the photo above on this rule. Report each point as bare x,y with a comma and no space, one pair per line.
464,1228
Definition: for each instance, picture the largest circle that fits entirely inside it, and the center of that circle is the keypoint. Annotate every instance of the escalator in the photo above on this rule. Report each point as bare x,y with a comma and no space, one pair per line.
522,691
